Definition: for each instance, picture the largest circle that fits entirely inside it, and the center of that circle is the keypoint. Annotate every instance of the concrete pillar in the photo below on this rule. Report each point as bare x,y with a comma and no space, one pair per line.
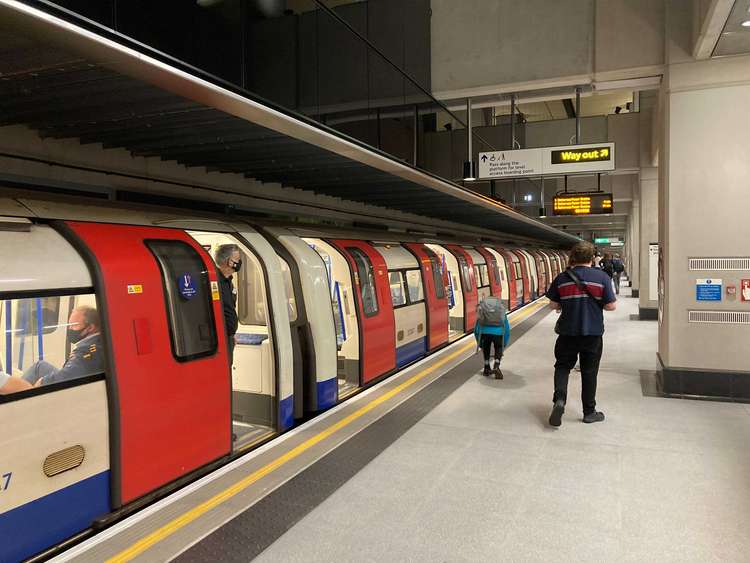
648,234
634,242
703,208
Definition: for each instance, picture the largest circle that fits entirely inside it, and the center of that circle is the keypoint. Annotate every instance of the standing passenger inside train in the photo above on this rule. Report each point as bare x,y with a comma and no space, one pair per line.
228,261
84,332
492,330
580,293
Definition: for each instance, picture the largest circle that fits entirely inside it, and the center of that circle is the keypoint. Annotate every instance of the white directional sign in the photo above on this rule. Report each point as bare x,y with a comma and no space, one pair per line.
547,161
510,164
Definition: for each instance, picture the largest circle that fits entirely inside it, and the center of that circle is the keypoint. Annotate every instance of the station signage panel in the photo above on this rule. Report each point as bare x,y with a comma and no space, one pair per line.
708,289
547,161
593,203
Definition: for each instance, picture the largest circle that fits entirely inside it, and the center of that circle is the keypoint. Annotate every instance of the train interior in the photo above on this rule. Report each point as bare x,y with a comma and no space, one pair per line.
344,314
254,368
455,294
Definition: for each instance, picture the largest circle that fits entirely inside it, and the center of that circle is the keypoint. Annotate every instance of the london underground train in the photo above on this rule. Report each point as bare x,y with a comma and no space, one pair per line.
148,401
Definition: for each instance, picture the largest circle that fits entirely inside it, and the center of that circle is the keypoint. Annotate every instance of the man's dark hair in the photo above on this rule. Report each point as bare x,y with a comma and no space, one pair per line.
581,253
90,315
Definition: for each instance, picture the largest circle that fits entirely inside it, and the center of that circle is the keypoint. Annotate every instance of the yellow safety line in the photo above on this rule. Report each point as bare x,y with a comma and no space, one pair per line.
181,521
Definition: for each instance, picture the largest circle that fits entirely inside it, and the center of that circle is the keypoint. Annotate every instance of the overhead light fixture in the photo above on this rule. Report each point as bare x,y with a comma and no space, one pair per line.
528,197
746,23
470,172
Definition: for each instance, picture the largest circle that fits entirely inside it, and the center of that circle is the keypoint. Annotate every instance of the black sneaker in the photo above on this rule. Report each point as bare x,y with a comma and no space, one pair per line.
497,373
555,417
593,417
487,371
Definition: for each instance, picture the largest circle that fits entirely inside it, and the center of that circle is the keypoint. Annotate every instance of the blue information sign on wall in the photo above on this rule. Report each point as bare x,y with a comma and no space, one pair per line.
708,289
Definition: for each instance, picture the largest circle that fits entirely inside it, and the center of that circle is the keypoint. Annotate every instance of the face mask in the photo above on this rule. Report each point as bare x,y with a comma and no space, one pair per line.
237,265
75,335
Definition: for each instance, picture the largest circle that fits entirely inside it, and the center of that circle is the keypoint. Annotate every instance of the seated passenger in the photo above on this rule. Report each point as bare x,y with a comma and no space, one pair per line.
85,358
10,384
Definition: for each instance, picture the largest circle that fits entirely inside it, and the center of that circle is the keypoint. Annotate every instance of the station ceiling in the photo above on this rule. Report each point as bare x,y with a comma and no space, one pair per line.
735,39
68,82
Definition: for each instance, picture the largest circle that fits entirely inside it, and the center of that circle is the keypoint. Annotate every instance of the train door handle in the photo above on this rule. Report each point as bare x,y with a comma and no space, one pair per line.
142,331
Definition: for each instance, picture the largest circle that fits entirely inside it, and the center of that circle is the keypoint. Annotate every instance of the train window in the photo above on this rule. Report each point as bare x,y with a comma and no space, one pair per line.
517,268
414,285
496,271
188,295
49,341
437,274
366,277
251,297
287,275
398,295
36,311
482,275
465,275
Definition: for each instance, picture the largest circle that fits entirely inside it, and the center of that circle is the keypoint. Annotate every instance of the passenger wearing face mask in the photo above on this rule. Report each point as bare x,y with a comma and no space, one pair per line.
86,358
228,261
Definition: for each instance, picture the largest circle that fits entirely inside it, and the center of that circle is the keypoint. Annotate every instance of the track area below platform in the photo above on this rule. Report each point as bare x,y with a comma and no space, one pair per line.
259,488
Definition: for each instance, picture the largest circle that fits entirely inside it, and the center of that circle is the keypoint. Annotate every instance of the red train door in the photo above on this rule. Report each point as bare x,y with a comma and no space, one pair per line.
377,339
468,285
168,357
494,272
437,299
512,283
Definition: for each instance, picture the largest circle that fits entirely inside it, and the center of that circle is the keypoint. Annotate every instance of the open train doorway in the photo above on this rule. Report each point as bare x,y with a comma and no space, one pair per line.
253,369
452,274
341,290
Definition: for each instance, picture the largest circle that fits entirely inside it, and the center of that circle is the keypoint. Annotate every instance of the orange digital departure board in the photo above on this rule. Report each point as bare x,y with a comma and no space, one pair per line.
582,204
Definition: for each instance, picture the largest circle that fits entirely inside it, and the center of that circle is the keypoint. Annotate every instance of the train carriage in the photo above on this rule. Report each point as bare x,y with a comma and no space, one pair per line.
322,314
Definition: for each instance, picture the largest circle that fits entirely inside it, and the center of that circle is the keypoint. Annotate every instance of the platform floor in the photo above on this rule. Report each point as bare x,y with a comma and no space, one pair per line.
482,477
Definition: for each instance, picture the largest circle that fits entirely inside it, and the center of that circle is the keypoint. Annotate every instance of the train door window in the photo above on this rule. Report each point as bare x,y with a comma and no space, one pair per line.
437,273
465,276
414,285
496,271
366,281
42,344
188,295
251,296
289,288
398,295
483,278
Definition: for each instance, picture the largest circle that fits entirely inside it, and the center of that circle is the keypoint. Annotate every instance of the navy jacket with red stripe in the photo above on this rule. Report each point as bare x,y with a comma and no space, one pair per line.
581,315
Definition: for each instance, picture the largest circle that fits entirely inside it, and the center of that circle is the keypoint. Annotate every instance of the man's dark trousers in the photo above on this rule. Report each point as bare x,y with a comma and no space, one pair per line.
567,351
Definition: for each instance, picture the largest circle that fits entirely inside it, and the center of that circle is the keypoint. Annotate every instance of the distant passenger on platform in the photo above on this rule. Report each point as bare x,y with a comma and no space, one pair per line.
579,294
10,384
492,330
619,268
597,259
229,262
84,332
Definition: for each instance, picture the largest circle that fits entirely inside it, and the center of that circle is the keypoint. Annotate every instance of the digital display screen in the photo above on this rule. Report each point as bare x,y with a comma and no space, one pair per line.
590,154
582,204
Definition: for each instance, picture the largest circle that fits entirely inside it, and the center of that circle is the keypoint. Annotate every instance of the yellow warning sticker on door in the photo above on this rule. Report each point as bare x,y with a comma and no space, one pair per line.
215,290
135,288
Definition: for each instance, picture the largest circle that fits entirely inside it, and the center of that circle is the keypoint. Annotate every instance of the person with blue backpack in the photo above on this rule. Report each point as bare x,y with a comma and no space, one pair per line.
492,329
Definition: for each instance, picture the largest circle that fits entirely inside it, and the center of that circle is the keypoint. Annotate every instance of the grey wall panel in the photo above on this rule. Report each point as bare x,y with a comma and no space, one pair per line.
272,60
